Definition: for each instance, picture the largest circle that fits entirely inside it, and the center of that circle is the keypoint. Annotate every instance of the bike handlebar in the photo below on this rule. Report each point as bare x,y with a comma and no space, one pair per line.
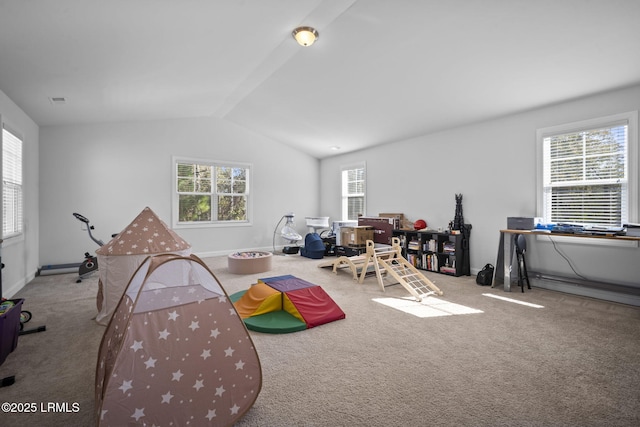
89,228
81,218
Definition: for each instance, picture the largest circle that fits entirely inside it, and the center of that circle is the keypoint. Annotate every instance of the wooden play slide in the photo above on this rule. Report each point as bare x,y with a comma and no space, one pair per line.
387,260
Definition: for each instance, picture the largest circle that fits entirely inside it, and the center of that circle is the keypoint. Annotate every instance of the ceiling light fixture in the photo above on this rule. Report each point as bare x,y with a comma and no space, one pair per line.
305,36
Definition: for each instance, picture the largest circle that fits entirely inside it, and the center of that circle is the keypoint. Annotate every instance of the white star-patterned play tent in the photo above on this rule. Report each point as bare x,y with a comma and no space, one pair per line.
175,351
119,258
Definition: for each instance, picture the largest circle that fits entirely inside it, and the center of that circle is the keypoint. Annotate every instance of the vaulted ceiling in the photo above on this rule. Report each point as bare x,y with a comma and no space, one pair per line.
380,71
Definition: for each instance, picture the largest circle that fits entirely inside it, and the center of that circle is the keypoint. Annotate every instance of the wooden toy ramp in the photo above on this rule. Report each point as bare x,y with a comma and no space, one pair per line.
392,262
360,265
353,263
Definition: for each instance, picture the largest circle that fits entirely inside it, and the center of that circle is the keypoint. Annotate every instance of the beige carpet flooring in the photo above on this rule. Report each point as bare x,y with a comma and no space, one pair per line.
463,359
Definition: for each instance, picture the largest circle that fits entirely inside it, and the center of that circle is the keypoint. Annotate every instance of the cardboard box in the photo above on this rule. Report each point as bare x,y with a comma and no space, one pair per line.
402,223
400,217
335,228
382,227
355,236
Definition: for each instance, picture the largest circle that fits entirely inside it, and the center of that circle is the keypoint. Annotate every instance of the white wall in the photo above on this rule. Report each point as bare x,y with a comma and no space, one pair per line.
493,164
20,254
110,172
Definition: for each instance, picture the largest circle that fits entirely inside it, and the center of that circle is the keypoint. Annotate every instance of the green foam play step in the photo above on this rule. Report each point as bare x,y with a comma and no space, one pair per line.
274,322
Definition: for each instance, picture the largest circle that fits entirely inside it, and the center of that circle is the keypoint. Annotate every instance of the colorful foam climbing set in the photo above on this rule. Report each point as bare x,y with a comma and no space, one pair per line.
285,304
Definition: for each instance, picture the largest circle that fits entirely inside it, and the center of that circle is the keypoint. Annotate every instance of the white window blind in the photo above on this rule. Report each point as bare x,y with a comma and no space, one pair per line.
586,175
11,184
353,192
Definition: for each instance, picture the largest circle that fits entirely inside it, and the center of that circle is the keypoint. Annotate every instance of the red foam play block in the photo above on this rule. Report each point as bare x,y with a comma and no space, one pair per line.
315,306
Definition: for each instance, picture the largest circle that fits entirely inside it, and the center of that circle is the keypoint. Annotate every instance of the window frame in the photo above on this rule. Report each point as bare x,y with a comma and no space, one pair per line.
213,222
633,164
16,233
344,195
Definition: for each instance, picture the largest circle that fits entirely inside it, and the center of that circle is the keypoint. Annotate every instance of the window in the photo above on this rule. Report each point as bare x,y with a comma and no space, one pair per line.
588,172
11,184
353,192
210,193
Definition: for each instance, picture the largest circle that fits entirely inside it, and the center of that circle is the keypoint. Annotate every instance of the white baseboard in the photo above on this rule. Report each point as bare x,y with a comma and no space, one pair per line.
587,291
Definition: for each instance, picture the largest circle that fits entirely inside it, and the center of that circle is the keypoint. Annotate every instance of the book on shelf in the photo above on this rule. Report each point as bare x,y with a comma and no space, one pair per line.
430,262
414,245
414,260
450,270
430,246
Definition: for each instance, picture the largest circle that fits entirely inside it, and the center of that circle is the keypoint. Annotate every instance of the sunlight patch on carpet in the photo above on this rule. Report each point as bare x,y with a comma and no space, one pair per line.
528,304
429,307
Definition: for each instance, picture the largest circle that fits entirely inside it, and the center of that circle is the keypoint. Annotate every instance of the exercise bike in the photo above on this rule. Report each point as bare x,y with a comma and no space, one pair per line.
90,263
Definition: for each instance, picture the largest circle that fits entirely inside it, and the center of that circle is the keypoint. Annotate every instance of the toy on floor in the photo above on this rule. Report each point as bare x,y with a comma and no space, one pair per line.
25,315
9,326
385,260
119,258
175,351
313,246
285,304
364,265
